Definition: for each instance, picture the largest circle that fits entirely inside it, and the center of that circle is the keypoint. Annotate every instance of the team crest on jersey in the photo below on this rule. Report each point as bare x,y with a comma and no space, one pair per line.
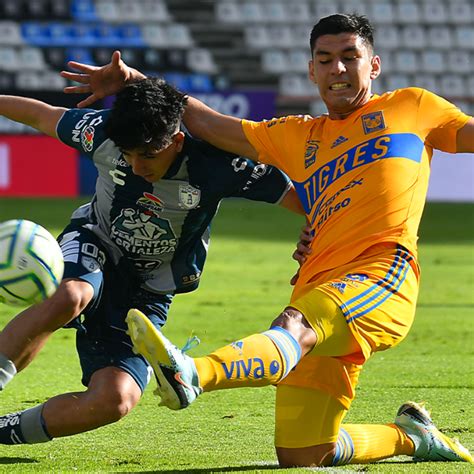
312,147
189,196
87,138
151,202
373,122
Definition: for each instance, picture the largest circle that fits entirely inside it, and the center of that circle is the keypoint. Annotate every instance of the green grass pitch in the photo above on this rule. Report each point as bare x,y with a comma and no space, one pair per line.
244,286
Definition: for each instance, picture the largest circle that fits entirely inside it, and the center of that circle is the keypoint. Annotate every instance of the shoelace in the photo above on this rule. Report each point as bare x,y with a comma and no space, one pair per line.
191,343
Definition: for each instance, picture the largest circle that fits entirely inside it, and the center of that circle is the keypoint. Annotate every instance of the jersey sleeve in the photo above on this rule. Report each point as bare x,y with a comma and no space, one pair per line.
259,181
83,129
440,120
278,139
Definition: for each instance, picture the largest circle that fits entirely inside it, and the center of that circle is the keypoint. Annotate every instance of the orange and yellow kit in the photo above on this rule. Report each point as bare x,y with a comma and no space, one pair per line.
363,182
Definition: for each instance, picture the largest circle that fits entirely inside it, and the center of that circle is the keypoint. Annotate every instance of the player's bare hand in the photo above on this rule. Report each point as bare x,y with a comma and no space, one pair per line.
303,249
99,81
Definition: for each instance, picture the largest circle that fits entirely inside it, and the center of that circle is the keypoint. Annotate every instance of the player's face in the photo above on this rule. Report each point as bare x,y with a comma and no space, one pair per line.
152,164
343,67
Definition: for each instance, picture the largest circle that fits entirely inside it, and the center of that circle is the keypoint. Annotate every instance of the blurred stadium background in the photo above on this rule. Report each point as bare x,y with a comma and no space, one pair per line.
244,57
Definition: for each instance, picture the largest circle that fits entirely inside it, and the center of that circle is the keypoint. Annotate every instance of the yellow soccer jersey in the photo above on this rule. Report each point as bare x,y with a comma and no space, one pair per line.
362,180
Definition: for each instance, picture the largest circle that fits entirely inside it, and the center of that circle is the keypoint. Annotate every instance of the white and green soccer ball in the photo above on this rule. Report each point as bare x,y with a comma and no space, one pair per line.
31,263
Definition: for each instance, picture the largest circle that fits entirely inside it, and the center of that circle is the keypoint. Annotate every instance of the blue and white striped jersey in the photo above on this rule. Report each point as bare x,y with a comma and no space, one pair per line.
162,228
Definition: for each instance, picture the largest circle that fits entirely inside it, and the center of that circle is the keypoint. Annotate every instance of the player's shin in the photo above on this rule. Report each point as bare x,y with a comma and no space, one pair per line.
361,444
24,427
257,360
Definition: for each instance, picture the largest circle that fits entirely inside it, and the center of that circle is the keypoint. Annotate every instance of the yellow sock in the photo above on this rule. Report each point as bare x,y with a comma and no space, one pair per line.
360,444
256,361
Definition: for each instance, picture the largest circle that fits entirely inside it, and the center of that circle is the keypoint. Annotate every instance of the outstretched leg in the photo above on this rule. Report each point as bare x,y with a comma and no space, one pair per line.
111,394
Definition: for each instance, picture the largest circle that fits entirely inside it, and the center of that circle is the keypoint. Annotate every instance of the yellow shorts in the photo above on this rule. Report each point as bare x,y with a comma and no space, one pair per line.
358,309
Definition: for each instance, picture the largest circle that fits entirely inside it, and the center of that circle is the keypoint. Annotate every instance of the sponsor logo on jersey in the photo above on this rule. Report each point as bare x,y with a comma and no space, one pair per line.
312,147
239,164
151,202
146,265
338,141
119,161
397,145
189,196
87,138
237,369
90,264
237,345
143,233
373,122
341,287
257,173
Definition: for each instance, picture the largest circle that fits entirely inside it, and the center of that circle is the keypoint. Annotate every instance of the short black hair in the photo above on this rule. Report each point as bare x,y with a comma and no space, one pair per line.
343,23
145,114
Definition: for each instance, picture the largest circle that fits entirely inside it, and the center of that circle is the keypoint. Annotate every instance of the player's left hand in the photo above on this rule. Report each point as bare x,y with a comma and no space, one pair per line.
100,81
303,249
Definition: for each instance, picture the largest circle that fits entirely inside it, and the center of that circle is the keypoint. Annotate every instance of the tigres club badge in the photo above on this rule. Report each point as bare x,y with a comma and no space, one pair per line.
189,196
373,122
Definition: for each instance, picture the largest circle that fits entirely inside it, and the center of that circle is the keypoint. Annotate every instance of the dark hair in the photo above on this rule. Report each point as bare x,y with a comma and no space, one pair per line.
343,23
146,113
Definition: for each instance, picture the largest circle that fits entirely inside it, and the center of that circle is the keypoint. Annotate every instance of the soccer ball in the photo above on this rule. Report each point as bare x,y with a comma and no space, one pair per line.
31,263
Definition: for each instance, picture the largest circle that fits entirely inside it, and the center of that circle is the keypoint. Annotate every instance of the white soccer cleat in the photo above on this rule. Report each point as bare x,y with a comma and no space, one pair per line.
430,444
176,374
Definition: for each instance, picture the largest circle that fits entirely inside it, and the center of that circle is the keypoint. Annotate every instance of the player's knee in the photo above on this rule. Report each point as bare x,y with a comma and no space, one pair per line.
113,404
68,301
312,456
294,322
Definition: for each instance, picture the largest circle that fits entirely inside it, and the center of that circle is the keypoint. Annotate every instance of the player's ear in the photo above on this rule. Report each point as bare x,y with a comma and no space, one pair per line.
178,139
376,67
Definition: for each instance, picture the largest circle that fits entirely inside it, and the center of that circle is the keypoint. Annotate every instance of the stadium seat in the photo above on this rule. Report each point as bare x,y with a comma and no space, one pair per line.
129,11
440,37
200,83
60,34
470,86
412,36
10,33
298,12
56,58
11,10
178,80
300,36
37,9
35,33
9,59
200,60
452,86
298,60
406,61
397,81
432,61
107,10
459,62
228,12
275,12
325,8
155,11
355,6
382,12
407,12
387,37
176,60
29,80
80,55
31,58
257,37
53,81
464,37
84,10
252,12
434,12
387,60
132,56
460,12
281,36
60,9
274,61
130,35
84,34
427,81
154,60
178,36
154,35
296,85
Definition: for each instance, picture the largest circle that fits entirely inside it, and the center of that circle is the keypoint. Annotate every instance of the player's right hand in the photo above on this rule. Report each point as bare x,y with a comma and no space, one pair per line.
100,81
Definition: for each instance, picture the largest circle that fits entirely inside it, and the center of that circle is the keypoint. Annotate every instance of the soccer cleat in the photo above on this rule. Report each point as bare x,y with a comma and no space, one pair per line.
175,372
430,444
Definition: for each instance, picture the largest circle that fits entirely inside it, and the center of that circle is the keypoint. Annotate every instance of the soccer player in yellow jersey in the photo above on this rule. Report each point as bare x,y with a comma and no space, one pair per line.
361,172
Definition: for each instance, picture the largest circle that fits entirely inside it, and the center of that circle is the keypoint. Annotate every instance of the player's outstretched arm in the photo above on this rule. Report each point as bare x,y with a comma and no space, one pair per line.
100,81
36,114
222,131
465,138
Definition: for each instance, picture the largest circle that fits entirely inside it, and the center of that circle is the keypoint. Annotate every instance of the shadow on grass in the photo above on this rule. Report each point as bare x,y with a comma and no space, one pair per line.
16,460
